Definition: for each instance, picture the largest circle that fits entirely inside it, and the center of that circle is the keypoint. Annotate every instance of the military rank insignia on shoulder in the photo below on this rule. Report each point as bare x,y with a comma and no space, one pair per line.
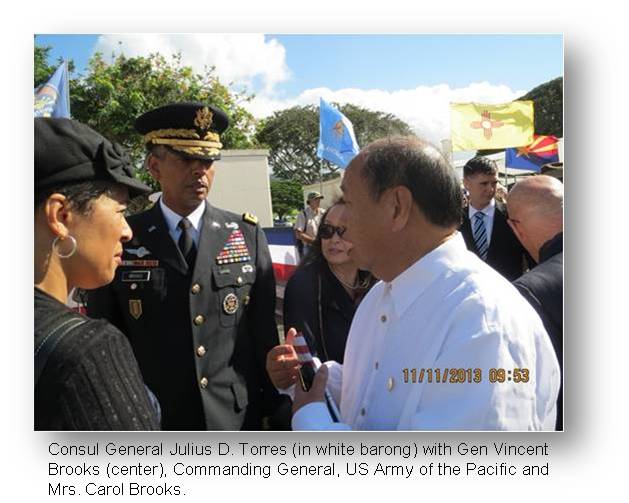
249,218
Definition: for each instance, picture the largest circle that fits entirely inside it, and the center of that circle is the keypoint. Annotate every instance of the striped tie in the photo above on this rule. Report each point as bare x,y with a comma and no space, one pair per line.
480,235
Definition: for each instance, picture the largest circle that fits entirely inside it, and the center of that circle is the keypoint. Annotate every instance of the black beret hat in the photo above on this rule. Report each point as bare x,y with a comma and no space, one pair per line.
191,129
67,152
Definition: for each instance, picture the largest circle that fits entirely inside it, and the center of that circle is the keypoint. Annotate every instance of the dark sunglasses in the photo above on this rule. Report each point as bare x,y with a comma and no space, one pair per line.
326,231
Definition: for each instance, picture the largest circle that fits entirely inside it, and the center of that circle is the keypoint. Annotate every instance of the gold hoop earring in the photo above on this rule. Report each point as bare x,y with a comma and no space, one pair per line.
64,255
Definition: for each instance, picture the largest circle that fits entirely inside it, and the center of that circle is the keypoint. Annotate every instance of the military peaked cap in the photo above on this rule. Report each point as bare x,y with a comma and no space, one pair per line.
191,129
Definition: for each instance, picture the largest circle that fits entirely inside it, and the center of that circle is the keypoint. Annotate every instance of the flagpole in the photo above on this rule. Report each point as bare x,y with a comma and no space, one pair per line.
506,176
321,176
67,85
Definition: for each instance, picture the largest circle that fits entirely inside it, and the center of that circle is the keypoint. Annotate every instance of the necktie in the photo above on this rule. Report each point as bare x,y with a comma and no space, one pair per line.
186,243
480,235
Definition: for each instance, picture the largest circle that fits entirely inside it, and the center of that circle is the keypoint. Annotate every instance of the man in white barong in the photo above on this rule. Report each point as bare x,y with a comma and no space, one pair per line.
443,342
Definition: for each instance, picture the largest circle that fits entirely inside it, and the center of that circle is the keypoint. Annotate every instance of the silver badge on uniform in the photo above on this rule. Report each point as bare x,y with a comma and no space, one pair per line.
140,252
133,276
230,303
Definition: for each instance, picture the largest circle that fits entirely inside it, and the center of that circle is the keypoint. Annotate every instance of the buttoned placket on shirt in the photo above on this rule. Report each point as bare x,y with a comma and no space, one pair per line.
383,320
385,395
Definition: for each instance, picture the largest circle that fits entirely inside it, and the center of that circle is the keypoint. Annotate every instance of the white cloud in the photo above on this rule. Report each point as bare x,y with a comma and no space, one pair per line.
242,58
425,108
250,60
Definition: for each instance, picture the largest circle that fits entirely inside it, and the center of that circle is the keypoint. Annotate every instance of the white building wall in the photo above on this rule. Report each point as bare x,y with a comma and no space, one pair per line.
331,190
241,184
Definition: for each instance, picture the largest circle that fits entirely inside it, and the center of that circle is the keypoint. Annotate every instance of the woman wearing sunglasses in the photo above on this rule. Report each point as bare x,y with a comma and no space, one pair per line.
322,296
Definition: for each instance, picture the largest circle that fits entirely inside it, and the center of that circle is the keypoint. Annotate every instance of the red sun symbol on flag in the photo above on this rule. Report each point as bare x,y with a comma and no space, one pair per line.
486,123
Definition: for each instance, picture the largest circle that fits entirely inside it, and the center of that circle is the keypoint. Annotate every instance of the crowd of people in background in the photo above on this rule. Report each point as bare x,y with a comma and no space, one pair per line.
407,276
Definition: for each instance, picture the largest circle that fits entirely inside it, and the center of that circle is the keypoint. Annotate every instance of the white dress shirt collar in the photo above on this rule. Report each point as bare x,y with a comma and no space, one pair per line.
488,210
414,281
173,219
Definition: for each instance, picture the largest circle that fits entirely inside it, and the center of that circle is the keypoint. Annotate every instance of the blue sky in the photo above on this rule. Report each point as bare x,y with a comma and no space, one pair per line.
412,76
391,61
395,62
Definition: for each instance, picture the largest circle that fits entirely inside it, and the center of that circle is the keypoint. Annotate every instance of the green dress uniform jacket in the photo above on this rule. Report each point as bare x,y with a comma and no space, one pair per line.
201,336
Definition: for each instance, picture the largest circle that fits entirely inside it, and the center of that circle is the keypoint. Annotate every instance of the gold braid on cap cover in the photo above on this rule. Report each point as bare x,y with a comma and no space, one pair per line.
206,150
165,136
187,142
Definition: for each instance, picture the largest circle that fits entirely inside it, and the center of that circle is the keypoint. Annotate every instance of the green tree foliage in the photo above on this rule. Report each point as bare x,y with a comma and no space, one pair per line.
112,95
42,71
548,99
286,196
292,136
369,125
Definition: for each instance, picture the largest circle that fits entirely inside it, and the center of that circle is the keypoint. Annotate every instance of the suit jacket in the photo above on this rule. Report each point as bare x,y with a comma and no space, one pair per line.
505,254
200,336
542,286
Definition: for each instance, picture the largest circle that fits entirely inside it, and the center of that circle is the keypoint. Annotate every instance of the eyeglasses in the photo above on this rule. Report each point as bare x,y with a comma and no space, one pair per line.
327,231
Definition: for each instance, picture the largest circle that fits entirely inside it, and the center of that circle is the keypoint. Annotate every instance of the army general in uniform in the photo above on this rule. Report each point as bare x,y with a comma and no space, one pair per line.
195,293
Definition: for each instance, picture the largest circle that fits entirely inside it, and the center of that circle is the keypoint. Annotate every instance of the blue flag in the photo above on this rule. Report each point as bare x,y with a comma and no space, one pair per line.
542,151
337,142
52,99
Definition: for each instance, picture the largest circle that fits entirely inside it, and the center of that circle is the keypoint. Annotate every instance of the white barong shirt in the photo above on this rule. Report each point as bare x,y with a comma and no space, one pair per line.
449,310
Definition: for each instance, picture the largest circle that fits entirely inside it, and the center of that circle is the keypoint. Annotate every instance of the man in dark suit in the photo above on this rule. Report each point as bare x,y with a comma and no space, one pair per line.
536,216
484,225
195,293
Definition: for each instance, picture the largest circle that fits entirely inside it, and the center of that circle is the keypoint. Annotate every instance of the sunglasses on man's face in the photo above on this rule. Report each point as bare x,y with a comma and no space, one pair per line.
327,231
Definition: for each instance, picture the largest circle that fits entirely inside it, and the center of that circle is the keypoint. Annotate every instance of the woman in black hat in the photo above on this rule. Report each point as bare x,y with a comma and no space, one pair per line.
86,377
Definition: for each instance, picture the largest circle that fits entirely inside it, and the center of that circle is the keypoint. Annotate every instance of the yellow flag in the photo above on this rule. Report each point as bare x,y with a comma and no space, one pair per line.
475,126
